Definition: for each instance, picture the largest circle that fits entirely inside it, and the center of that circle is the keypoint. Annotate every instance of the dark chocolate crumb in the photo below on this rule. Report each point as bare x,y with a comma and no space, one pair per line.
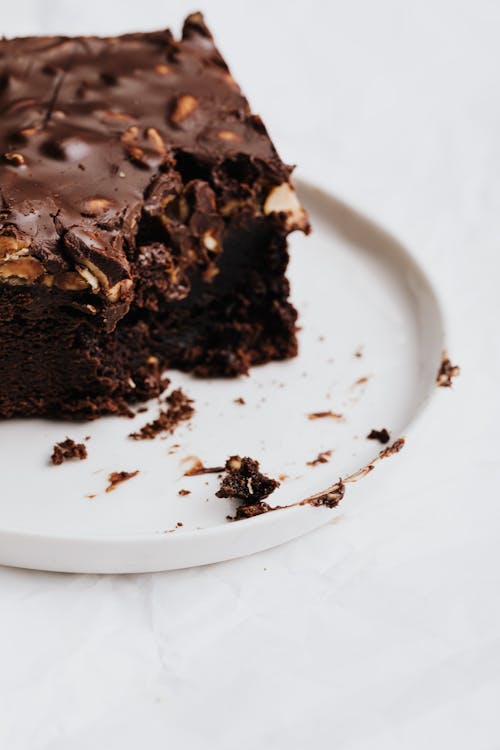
183,493
358,353
321,458
446,373
382,436
67,450
241,401
141,410
244,481
325,414
117,477
179,410
179,524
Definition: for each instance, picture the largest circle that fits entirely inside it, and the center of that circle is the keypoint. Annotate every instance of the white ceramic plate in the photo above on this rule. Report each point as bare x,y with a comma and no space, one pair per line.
358,291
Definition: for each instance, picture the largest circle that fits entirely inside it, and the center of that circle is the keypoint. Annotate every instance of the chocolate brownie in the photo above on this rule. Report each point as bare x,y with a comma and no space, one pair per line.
143,222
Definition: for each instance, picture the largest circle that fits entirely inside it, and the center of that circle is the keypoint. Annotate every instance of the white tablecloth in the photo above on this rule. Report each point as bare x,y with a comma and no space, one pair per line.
382,630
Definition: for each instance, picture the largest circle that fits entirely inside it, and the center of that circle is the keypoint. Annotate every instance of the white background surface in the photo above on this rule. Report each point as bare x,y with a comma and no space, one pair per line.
381,630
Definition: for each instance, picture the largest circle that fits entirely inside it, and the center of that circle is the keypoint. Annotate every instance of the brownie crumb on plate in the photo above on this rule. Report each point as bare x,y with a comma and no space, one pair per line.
179,409
382,435
67,450
244,481
361,381
446,373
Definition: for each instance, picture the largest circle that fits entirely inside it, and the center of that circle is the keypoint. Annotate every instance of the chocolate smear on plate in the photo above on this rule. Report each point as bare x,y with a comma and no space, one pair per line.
325,415
118,477
197,468
321,458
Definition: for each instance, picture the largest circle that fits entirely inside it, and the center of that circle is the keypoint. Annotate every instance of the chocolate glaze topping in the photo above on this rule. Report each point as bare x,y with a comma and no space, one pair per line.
100,137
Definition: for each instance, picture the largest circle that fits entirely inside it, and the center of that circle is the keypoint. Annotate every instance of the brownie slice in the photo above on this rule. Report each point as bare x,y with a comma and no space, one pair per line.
143,222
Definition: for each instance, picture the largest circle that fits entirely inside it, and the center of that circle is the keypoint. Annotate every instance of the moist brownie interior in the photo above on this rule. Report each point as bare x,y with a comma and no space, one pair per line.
143,222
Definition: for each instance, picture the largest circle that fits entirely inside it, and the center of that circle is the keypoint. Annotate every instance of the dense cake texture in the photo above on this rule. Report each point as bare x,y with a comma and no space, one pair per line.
143,222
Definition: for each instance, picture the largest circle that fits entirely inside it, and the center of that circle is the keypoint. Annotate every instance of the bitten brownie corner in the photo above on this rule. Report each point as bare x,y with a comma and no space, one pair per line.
143,224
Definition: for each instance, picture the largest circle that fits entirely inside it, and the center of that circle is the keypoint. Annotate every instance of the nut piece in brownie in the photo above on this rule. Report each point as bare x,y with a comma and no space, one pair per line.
143,222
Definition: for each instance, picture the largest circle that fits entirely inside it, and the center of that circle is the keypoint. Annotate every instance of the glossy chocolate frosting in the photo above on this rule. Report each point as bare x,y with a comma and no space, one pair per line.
97,133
